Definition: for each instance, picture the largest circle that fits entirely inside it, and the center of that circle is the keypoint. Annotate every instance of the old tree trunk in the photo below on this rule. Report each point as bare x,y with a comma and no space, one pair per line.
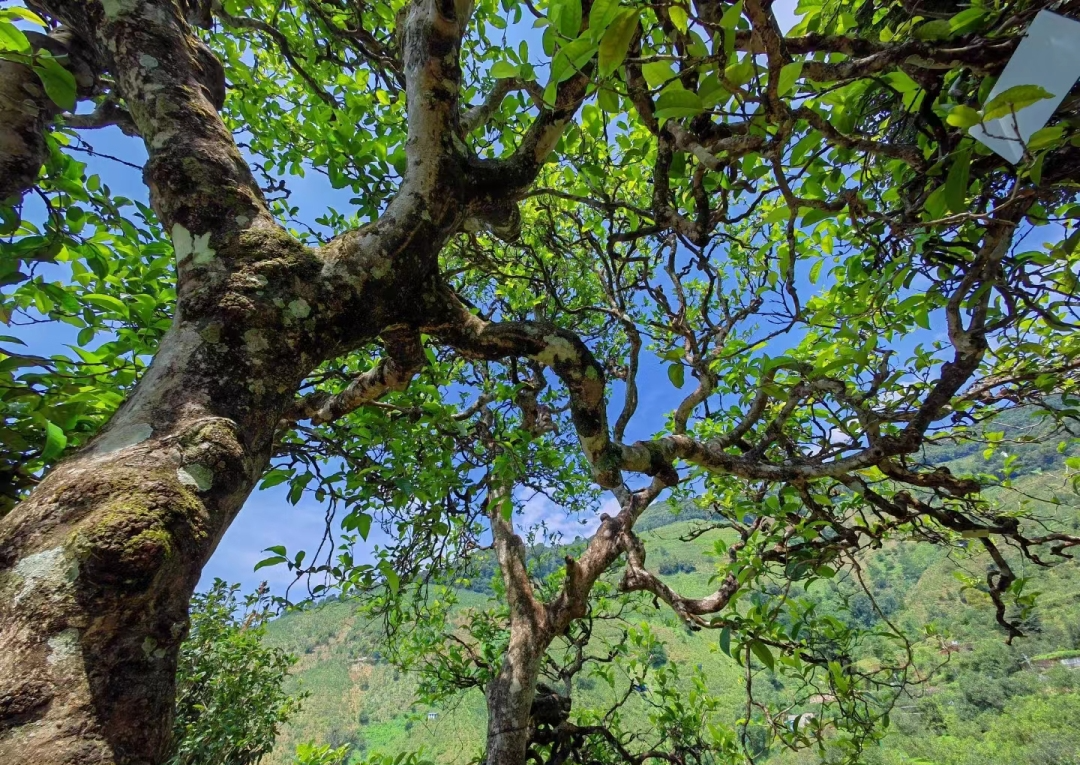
97,566
98,563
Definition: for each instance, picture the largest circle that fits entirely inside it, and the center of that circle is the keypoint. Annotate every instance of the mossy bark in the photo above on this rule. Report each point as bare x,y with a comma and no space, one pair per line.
97,566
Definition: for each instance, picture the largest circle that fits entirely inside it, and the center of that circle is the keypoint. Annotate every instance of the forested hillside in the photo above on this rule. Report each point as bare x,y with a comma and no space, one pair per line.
973,699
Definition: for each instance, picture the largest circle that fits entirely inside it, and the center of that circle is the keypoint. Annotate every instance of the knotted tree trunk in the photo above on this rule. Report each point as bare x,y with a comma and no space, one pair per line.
98,564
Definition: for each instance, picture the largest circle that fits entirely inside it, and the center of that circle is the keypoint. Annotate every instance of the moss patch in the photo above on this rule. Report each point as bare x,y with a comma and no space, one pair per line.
138,527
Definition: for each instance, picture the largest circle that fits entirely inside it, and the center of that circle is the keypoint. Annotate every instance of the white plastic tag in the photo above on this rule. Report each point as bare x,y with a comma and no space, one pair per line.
1048,56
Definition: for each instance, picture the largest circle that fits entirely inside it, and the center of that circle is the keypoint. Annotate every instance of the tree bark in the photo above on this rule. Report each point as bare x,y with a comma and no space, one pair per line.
26,111
510,696
534,624
511,692
98,564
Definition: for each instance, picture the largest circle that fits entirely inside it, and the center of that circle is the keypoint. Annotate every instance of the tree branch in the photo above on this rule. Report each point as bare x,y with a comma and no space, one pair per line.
405,357
107,114
26,110
560,350
282,42
477,116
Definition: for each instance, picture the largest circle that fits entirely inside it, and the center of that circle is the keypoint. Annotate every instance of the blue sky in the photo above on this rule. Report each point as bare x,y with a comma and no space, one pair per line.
267,518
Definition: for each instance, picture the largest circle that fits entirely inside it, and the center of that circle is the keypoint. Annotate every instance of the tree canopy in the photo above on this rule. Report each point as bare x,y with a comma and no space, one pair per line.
230,703
566,217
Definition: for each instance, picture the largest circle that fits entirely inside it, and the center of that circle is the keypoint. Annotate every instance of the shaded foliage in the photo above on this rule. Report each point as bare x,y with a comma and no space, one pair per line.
230,701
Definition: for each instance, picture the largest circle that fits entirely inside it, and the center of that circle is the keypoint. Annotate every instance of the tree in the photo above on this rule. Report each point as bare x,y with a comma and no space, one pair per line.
310,754
795,224
230,701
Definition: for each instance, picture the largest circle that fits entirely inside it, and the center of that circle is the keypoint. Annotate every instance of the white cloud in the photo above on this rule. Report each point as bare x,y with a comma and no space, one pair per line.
837,436
539,509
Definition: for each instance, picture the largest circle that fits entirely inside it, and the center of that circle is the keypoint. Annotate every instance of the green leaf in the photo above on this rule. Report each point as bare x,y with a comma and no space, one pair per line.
711,90
679,18
741,73
59,83
107,302
963,117
901,82
938,29
602,13
503,70
839,679
789,75
12,38
1035,173
358,522
551,93
935,203
763,653
22,14
725,640
677,374
55,441
548,41
1013,100
271,561
274,477
571,58
815,215
731,16
1046,137
815,271
608,100
565,16
962,577
363,525
657,73
956,183
967,20
616,41
676,102
393,581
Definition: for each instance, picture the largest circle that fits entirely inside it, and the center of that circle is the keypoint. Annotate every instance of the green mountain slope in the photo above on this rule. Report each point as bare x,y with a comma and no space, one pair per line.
358,698
966,714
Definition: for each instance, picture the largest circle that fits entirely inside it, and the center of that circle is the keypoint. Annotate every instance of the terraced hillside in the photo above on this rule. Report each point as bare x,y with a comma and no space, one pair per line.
959,717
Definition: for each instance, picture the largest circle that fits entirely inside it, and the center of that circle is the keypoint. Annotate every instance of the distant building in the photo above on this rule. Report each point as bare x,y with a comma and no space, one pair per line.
1069,662
799,721
433,715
